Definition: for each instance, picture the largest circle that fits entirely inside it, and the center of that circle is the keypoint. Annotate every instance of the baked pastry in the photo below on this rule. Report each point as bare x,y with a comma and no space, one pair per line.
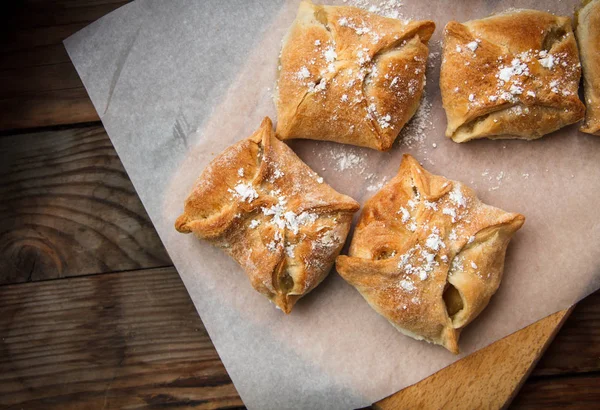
350,76
275,216
588,36
427,254
511,75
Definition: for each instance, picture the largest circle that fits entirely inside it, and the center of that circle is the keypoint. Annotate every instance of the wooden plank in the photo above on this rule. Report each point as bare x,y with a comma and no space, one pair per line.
131,339
576,348
38,84
48,108
18,39
67,208
74,3
33,57
570,393
489,378
31,80
27,14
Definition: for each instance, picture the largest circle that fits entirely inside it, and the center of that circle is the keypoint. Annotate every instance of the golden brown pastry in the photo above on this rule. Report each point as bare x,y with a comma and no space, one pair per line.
588,36
350,76
275,216
427,254
511,75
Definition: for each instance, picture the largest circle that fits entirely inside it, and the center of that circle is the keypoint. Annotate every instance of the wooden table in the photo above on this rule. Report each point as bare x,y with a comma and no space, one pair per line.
92,312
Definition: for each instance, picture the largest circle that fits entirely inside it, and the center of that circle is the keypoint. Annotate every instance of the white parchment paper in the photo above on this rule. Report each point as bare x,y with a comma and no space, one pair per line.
177,81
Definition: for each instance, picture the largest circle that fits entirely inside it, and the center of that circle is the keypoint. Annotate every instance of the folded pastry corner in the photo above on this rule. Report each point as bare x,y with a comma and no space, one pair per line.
269,211
350,76
588,37
511,75
427,254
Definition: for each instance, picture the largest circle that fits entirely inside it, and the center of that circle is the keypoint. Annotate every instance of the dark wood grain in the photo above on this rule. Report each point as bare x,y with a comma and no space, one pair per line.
47,108
576,348
67,208
131,339
41,78
34,23
31,14
570,392
39,95
34,56
18,38
38,84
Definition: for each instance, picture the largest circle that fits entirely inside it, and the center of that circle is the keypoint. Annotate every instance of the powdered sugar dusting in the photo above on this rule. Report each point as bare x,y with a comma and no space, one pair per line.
386,8
472,46
330,54
283,218
245,192
352,161
289,250
453,236
407,285
434,241
496,179
377,186
345,158
414,134
423,262
405,214
303,73
451,212
457,197
514,77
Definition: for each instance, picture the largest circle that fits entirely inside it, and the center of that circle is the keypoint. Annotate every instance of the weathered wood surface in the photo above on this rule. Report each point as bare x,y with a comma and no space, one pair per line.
573,392
131,339
134,339
576,348
38,84
67,208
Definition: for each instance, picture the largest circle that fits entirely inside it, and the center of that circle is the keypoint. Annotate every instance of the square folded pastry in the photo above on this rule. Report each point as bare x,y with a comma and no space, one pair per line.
267,209
350,76
588,36
511,75
427,254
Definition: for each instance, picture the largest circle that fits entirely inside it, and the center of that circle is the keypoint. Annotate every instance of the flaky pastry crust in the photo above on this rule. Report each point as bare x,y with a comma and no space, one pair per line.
350,76
275,216
427,254
588,37
511,75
